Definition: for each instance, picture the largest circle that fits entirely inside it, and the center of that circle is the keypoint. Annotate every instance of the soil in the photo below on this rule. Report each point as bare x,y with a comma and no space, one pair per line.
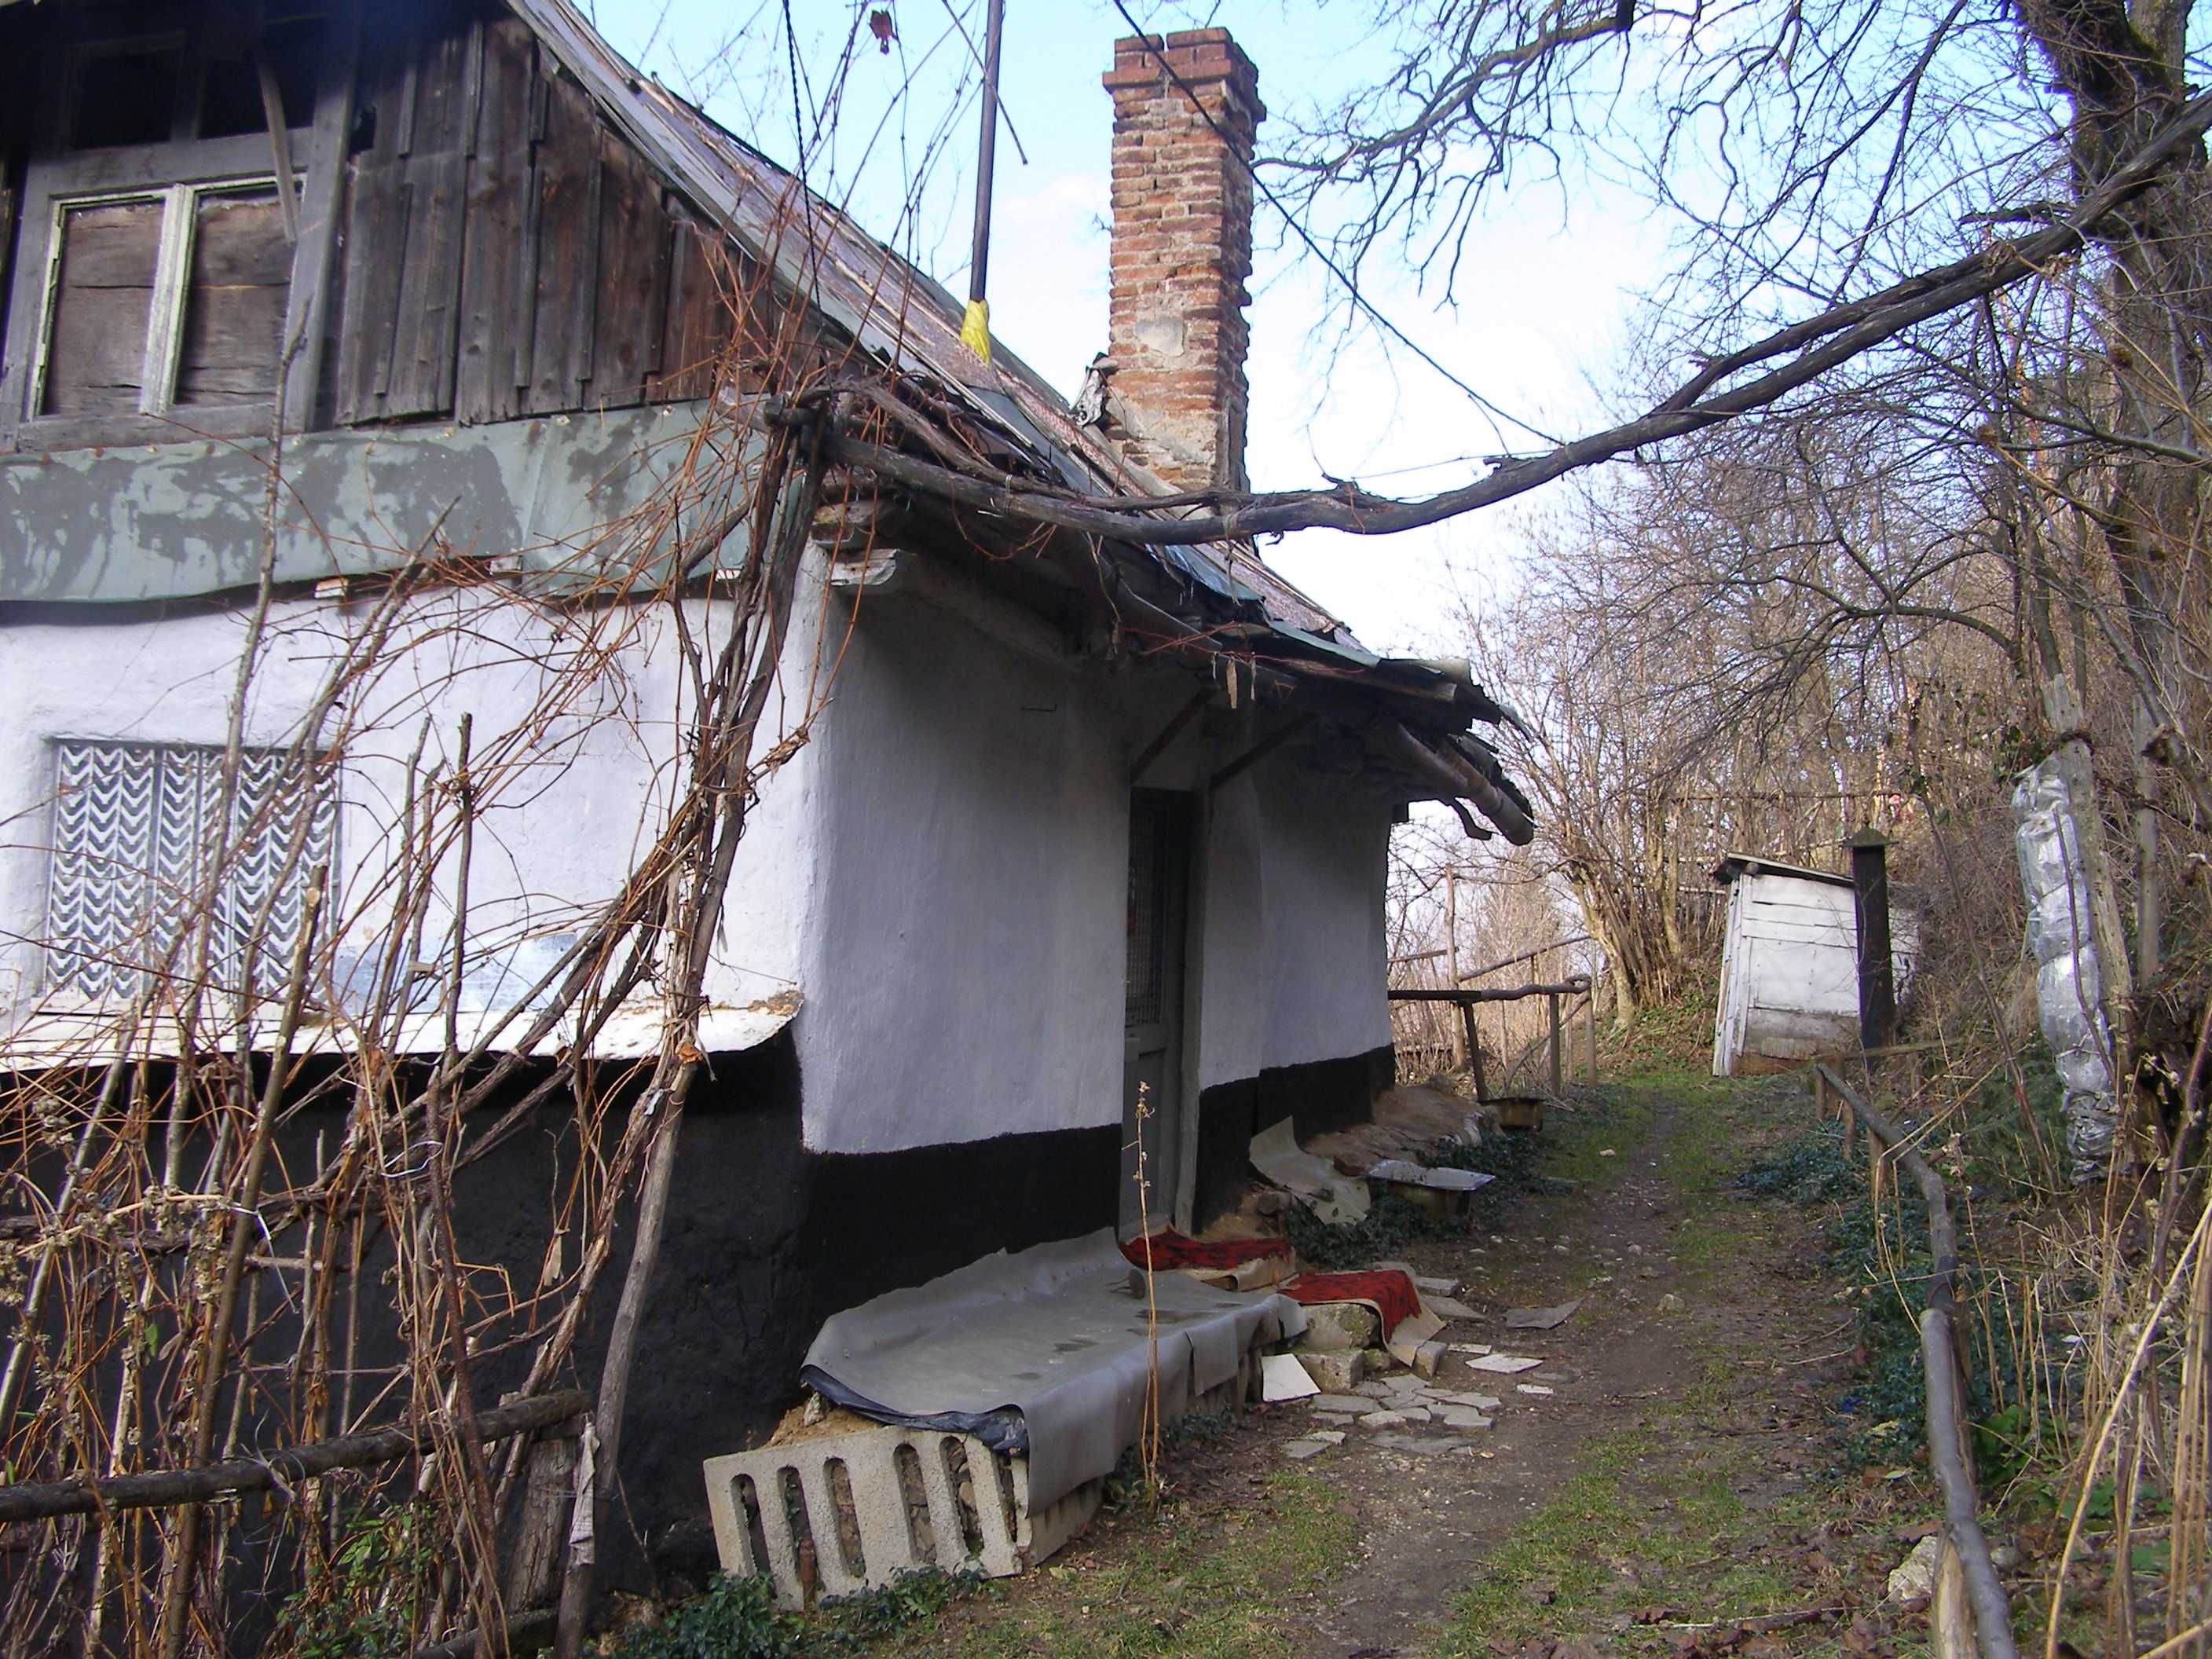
1679,1489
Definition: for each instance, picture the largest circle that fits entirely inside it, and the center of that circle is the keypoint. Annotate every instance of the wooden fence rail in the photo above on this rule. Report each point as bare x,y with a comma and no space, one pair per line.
162,1487
1466,1001
1986,1608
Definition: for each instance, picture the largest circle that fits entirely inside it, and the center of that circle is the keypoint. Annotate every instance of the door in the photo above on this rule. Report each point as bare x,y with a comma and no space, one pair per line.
1159,903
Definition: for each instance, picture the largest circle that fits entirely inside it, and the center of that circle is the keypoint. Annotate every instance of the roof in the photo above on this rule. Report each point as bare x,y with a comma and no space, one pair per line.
1752,863
903,316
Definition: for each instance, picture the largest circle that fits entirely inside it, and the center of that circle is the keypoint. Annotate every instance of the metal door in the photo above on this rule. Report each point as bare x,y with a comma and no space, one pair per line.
1159,891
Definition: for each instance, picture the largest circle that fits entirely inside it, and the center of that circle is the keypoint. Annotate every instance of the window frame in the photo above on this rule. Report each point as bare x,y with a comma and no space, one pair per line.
178,174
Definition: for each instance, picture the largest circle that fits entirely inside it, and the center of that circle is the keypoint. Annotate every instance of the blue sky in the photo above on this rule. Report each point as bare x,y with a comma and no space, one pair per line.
1542,308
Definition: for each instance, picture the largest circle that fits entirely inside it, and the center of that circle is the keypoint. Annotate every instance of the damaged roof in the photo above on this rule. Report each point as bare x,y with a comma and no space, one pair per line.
911,325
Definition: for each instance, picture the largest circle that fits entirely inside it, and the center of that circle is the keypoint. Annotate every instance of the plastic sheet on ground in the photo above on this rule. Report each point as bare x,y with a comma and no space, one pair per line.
1044,1353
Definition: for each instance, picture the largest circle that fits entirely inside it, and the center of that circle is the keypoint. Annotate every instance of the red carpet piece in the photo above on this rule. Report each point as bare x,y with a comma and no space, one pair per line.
1172,1251
1388,1291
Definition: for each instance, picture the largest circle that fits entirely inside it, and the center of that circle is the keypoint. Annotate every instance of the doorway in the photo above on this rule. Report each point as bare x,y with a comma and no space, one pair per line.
1160,843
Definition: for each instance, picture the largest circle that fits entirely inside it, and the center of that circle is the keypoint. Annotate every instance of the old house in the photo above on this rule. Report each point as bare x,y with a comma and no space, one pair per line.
413,338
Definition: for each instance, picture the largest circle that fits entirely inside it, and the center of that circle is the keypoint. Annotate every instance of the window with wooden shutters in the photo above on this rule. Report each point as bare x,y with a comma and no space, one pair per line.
134,827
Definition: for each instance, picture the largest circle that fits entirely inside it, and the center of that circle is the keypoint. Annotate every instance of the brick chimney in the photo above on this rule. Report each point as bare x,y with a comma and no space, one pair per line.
1182,248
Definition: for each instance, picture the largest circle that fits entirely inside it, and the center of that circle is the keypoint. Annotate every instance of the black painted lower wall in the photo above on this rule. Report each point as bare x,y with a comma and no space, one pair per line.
1317,1097
765,1240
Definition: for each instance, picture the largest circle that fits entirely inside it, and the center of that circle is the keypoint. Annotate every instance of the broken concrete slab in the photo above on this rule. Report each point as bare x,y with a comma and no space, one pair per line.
1341,1325
1531,1388
1282,1377
1414,1413
1505,1364
1429,1358
1541,1318
1458,1417
1327,1436
1375,1390
1351,1405
1418,1445
1333,1371
1449,1307
1383,1419
1302,1450
1429,1285
1473,1402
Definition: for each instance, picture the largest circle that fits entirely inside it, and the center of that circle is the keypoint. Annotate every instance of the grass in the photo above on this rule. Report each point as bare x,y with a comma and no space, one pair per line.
1219,1589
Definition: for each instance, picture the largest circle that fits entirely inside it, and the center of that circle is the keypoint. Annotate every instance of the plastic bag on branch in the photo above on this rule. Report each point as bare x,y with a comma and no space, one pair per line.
2069,986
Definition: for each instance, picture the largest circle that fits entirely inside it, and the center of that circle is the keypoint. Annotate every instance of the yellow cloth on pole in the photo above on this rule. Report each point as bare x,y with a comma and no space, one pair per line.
975,329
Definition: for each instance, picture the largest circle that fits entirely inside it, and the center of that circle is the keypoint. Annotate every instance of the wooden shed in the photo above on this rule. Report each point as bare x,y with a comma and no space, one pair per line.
1788,989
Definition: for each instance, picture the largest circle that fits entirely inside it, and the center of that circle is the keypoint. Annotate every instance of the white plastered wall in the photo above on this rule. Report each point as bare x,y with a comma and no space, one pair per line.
965,975
575,728
1292,950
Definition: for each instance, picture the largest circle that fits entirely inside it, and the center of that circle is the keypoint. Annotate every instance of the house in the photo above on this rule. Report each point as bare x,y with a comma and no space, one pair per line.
366,375
1789,964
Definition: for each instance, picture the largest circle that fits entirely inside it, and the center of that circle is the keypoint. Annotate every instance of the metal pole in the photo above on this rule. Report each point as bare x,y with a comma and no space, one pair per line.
975,329
1552,1001
1590,1023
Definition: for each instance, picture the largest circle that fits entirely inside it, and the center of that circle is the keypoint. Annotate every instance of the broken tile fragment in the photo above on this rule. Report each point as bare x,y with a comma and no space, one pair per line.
1541,1318
1302,1450
1505,1364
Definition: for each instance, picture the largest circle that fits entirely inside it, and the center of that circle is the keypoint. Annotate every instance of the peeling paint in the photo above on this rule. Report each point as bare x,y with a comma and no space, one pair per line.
171,521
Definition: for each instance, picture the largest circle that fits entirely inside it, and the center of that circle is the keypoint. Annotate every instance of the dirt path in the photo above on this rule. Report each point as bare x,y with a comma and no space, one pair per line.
1679,1473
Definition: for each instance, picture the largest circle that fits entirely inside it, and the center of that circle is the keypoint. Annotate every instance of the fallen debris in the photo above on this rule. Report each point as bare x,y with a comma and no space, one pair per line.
1915,1575
1505,1364
1337,1199
1448,1307
1541,1319
1335,1370
1282,1377
1532,1387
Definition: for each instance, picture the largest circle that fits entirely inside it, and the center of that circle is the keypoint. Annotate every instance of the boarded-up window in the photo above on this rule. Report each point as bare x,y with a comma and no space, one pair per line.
162,301
109,251
240,276
135,824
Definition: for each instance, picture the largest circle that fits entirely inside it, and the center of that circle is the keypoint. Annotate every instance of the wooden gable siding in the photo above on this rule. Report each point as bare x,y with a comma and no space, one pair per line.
507,254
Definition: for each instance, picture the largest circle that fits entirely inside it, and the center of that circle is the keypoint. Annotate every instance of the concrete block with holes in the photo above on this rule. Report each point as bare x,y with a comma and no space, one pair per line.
848,1512
866,1507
